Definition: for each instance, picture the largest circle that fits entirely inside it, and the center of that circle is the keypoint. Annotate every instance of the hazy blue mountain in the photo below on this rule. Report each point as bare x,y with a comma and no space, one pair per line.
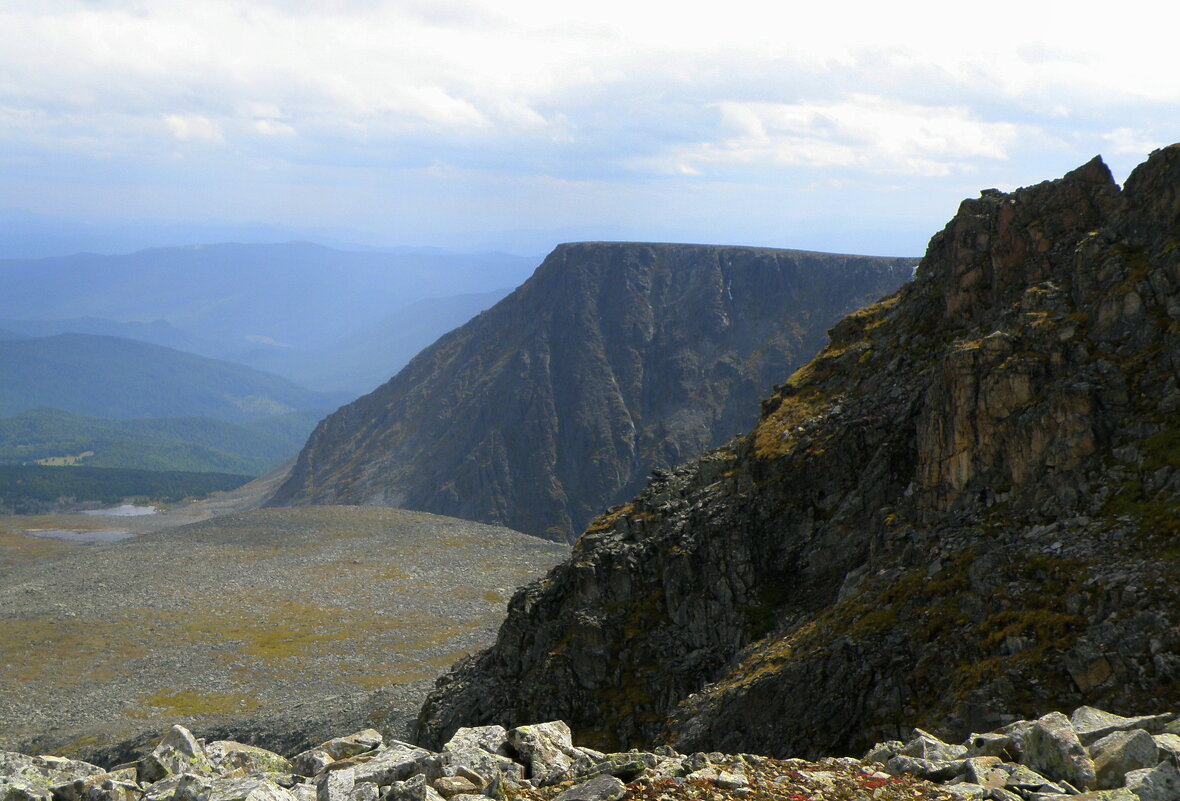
121,378
246,297
371,355
197,444
26,235
157,332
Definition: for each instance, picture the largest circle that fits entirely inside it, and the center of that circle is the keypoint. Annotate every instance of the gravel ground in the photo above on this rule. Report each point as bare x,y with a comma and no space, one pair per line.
273,626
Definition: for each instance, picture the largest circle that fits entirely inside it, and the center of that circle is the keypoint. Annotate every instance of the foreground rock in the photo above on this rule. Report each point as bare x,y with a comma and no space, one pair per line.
365,767
964,508
1027,760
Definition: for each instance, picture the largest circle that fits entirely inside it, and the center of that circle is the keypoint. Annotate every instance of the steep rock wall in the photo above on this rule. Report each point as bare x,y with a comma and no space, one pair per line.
612,360
964,509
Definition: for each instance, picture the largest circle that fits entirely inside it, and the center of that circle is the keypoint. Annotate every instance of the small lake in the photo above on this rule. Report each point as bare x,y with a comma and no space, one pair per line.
126,510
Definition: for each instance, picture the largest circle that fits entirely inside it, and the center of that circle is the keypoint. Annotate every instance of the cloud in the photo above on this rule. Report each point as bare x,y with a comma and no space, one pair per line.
869,133
193,128
637,97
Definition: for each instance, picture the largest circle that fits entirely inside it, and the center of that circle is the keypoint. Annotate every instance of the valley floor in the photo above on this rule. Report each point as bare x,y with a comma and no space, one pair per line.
281,620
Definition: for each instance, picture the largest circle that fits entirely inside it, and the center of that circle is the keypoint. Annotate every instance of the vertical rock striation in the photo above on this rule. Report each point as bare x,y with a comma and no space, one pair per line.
612,360
963,510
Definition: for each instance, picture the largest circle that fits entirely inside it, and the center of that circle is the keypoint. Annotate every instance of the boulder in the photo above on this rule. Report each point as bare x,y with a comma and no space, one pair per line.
397,763
178,752
600,788
226,756
546,749
247,789
1122,751
450,786
1160,783
413,789
926,746
1053,749
1092,724
336,785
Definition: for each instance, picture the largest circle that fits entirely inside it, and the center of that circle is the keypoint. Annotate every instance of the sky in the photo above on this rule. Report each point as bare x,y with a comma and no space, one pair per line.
838,126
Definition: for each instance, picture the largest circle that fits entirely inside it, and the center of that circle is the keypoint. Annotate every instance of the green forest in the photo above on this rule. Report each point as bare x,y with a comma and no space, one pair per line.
32,489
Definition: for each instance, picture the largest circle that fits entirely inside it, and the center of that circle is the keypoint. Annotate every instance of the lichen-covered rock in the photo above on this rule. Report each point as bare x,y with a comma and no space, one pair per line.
247,789
415,788
600,788
397,763
225,756
29,778
485,751
1093,724
336,785
1054,750
547,749
1120,752
1159,783
177,753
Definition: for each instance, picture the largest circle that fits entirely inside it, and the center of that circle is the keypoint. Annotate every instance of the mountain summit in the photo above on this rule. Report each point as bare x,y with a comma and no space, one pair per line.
964,510
612,360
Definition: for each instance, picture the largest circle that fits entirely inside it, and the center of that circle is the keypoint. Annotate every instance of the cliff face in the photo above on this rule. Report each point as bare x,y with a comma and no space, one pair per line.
964,509
612,360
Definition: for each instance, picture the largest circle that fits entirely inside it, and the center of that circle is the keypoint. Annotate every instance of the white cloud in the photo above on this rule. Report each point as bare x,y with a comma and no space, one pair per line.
193,128
872,134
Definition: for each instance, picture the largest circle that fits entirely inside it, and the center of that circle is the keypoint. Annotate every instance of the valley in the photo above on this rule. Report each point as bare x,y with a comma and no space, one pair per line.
293,624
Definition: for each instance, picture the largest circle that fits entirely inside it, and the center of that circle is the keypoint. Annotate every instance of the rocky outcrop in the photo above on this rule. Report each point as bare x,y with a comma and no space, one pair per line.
1027,760
963,508
612,360
540,764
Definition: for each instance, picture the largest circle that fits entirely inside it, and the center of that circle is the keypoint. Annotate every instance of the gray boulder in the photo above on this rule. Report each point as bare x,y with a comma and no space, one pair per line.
226,756
1053,749
413,789
1092,724
546,749
926,746
178,752
25,778
248,789
336,785
397,763
600,788
1161,783
1122,751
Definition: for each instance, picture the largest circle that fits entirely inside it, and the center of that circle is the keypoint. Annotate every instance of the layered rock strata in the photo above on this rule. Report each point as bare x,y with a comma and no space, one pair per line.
612,360
964,507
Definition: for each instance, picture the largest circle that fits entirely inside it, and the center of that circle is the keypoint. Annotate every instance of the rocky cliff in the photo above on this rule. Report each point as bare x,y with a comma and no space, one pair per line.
612,360
964,509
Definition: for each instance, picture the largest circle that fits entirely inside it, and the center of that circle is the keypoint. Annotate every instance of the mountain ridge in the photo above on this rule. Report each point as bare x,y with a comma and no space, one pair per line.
962,510
614,358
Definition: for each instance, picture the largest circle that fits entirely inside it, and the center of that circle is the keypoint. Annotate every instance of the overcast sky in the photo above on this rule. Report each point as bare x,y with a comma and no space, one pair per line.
842,126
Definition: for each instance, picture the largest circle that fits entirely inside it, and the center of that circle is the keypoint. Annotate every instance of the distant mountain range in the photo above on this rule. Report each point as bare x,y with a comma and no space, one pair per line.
369,356
612,360
121,378
242,296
